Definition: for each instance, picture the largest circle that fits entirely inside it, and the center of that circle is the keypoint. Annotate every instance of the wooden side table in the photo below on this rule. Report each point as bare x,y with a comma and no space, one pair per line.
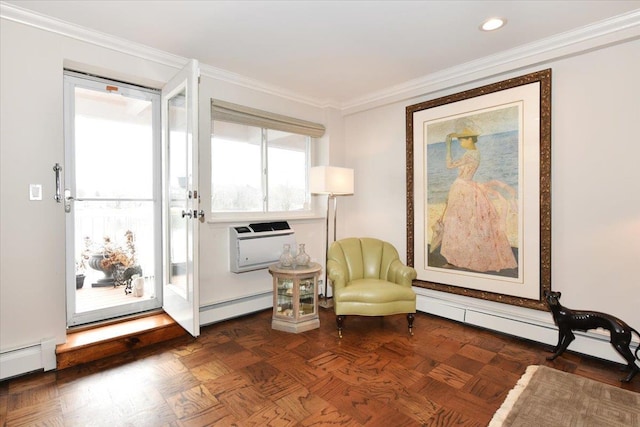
295,297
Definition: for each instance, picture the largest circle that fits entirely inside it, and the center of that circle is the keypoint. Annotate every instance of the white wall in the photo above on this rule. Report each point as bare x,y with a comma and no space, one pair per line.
32,258
376,151
595,184
596,181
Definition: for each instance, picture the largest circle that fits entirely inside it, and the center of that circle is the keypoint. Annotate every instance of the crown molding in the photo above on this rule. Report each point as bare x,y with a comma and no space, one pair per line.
240,80
23,16
620,28
53,25
614,30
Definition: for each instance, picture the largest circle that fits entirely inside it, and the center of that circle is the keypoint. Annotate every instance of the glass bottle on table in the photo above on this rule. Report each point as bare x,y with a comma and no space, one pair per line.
302,258
286,259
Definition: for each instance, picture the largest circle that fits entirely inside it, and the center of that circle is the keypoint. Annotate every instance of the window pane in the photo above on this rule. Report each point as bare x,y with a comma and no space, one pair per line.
287,171
236,165
178,184
113,146
177,122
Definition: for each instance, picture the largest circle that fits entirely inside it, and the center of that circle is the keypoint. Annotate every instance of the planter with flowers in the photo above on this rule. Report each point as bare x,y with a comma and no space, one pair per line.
117,262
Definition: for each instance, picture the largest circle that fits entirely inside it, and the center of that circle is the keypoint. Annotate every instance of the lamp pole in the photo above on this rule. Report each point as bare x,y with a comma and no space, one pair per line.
325,302
332,181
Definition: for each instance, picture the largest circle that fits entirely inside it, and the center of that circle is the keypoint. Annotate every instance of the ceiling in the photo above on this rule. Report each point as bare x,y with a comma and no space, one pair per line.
331,52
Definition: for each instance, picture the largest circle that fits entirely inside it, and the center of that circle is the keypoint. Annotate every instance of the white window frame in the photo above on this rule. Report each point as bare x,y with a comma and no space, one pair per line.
234,113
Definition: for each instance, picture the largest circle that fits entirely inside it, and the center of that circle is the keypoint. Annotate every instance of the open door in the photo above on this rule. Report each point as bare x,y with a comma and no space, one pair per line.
180,198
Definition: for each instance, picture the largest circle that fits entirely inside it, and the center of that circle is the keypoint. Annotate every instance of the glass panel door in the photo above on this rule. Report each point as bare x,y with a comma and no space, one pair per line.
112,199
180,204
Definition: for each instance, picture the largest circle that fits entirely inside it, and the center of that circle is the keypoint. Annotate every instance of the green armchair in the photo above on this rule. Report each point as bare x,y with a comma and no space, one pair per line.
369,280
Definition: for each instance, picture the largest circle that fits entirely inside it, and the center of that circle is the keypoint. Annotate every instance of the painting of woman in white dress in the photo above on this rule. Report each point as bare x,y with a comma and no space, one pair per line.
472,193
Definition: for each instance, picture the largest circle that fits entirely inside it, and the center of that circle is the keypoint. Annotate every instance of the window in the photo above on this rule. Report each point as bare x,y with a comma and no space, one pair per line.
260,161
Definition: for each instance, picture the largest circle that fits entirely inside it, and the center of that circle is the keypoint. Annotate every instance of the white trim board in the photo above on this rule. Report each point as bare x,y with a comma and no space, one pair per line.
528,324
604,33
20,361
88,35
225,310
617,29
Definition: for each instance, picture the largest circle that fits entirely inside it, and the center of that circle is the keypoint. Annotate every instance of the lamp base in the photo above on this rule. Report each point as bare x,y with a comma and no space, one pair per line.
325,302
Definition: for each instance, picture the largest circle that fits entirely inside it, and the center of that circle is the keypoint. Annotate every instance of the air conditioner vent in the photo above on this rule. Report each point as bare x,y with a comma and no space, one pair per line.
258,245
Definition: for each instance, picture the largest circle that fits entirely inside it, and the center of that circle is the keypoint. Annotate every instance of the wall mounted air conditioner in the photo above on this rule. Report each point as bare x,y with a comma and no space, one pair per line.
258,245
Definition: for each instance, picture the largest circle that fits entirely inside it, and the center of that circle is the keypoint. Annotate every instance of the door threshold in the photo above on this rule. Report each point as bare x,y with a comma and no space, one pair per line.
115,320
114,337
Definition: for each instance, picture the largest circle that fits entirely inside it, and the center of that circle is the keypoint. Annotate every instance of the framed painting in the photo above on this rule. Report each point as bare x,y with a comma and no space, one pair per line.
478,191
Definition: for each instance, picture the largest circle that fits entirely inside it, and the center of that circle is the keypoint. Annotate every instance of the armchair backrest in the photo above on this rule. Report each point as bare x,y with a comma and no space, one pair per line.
364,258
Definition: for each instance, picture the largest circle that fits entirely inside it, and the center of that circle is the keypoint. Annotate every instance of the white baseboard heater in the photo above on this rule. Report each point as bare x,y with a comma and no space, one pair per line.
258,245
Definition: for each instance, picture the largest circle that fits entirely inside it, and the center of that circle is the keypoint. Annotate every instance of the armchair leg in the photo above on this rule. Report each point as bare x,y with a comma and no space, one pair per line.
410,318
340,322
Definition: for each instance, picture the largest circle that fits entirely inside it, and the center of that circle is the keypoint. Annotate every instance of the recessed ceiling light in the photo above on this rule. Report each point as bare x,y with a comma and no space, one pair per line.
493,24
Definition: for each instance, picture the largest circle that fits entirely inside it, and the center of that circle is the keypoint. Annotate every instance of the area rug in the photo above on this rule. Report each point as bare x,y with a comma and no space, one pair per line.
549,397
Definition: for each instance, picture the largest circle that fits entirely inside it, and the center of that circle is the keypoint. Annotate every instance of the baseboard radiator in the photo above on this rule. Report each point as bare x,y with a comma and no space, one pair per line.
256,246
534,325
37,357
237,307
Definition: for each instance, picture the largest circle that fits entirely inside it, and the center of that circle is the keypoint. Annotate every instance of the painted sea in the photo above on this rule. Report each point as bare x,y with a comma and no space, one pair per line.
498,160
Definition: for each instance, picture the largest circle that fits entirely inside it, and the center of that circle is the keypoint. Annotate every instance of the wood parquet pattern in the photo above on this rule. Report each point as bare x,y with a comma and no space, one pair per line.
242,373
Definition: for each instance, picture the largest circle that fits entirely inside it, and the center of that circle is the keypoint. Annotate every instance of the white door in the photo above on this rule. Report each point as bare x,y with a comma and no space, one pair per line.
180,210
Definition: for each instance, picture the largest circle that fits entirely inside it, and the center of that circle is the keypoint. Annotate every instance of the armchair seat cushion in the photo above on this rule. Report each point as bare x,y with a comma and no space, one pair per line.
374,291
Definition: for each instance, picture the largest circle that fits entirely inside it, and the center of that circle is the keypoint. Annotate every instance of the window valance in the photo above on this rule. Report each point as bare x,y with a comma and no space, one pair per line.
235,113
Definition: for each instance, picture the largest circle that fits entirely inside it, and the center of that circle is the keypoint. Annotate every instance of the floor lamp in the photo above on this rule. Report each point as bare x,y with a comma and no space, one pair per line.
332,181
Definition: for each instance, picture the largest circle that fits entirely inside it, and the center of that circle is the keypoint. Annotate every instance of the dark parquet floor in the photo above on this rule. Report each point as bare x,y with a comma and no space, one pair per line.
243,373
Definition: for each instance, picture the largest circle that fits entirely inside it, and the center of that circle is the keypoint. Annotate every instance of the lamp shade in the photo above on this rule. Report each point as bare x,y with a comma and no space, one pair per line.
331,180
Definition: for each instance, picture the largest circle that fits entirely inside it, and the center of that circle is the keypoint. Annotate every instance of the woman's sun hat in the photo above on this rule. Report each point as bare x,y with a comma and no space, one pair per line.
465,133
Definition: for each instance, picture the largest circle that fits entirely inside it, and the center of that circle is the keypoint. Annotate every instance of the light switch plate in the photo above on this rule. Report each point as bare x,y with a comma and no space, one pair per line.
35,192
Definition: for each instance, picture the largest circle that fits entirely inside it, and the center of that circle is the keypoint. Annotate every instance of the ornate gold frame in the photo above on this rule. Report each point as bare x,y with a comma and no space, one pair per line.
544,79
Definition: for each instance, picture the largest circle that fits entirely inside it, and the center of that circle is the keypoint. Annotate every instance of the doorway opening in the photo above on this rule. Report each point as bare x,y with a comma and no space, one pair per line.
113,194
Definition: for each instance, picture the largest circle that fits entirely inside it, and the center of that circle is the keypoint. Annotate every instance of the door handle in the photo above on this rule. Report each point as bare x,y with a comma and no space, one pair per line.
58,196
187,214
